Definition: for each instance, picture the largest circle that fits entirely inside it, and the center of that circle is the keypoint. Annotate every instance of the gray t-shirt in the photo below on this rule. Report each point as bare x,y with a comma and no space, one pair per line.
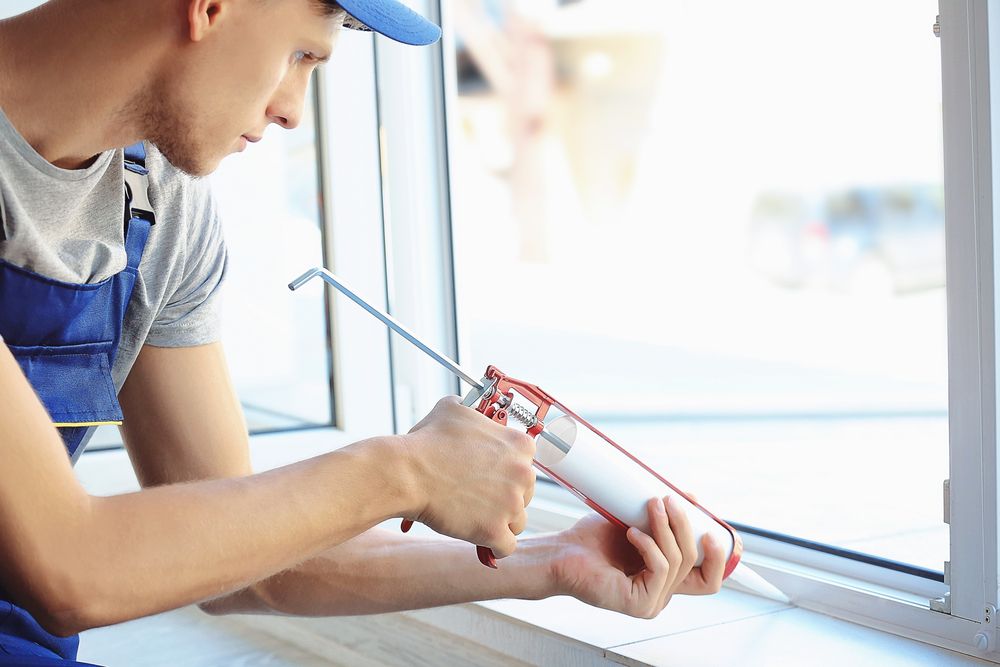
68,225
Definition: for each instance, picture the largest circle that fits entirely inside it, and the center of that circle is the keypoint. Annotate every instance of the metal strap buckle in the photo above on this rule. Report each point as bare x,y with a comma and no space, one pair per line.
137,196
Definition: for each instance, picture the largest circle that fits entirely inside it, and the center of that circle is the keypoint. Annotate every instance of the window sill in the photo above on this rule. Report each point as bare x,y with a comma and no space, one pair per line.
729,628
722,629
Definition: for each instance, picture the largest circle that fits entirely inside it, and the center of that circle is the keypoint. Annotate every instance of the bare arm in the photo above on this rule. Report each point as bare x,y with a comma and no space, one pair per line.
383,571
141,553
177,436
184,423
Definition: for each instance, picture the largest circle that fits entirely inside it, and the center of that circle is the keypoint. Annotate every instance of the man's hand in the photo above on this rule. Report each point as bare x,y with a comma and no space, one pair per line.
473,476
632,572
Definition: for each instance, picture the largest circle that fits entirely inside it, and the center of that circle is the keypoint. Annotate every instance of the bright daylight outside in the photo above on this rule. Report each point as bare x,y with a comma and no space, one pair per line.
716,230
269,199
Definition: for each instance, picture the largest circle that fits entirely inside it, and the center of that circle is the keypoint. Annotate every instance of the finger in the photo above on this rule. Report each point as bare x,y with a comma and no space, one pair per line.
503,545
525,444
529,492
517,525
707,579
665,539
657,569
680,525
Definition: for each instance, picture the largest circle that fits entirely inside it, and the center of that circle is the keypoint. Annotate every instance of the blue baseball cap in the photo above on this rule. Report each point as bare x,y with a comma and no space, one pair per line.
390,18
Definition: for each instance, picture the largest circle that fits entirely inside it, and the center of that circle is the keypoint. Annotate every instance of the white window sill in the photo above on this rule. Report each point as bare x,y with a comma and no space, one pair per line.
729,628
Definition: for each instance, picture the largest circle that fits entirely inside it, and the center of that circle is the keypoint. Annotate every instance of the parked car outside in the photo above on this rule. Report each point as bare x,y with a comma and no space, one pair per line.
859,240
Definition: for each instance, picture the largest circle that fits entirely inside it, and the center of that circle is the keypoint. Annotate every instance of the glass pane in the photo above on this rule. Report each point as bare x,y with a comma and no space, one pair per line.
716,231
269,198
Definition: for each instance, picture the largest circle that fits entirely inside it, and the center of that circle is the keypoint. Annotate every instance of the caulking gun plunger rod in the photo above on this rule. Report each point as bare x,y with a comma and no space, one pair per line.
387,319
399,328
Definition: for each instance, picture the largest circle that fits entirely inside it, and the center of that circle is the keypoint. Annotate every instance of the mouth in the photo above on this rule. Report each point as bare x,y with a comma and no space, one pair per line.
251,139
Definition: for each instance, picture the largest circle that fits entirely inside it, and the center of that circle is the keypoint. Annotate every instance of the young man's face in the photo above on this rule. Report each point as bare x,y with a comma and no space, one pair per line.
250,68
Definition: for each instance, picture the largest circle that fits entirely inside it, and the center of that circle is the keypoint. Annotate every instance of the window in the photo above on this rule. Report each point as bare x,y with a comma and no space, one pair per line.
269,199
718,232
717,227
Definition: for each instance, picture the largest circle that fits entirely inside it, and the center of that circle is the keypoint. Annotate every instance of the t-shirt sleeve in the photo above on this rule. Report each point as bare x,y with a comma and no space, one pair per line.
191,313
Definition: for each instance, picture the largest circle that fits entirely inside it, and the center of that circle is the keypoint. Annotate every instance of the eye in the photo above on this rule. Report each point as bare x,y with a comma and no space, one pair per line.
300,56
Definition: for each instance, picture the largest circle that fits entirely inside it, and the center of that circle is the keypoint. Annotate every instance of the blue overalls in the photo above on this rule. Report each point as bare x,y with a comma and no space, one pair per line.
65,338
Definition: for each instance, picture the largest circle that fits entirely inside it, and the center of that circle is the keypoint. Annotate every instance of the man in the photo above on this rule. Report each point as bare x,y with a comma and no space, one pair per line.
108,310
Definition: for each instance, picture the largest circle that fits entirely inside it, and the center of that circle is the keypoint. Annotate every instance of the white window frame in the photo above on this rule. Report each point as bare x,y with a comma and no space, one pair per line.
964,617
351,183
417,218
350,173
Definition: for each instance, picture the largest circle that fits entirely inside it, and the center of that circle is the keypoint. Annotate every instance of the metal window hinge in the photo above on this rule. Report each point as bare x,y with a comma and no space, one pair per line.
937,25
947,573
942,604
947,501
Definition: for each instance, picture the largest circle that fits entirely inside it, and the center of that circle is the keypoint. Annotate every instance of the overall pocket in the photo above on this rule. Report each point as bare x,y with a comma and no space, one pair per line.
73,381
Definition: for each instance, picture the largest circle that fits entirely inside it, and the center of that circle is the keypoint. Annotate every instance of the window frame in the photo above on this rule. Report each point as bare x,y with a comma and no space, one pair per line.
352,211
963,615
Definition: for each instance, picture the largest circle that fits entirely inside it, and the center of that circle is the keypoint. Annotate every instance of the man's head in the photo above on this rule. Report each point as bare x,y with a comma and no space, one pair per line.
233,67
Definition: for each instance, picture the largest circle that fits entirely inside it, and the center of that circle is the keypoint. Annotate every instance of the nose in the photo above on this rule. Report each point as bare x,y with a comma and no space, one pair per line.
285,108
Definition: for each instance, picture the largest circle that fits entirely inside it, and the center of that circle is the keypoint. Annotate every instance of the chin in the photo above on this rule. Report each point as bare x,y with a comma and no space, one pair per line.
193,163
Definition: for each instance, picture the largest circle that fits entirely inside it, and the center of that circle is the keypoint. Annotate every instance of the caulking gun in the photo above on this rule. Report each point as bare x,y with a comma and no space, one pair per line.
573,453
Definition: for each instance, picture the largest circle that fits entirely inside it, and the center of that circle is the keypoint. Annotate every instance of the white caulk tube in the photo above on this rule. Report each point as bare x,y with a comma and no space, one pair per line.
604,475
617,486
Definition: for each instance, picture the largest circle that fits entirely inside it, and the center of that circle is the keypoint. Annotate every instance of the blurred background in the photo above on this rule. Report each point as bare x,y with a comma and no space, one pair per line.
717,231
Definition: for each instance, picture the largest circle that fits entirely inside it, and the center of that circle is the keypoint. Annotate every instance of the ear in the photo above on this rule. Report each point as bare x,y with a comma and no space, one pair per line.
203,16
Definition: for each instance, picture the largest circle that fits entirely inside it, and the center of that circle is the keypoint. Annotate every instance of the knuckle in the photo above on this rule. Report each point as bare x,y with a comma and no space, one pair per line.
514,502
525,474
446,401
504,545
675,556
523,442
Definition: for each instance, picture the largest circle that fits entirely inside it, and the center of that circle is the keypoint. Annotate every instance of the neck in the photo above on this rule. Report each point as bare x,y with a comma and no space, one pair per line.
68,72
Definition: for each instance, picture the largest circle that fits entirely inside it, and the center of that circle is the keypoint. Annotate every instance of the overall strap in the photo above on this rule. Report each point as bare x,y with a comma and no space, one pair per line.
138,211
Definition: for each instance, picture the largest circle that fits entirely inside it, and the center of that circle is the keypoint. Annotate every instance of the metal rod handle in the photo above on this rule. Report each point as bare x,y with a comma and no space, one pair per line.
386,319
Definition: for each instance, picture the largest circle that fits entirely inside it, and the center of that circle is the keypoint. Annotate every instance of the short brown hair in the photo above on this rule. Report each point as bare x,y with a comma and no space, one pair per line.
330,8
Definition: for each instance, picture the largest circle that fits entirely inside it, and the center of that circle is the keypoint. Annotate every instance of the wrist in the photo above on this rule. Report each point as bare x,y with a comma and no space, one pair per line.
399,475
534,567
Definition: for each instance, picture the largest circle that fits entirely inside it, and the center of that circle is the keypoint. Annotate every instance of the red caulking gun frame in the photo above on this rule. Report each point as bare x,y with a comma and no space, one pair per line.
571,451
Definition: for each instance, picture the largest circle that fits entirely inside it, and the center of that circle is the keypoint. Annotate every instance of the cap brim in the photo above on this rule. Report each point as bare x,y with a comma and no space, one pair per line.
392,19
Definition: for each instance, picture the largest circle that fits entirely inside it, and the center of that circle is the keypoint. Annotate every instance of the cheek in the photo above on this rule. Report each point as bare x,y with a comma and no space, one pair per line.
256,83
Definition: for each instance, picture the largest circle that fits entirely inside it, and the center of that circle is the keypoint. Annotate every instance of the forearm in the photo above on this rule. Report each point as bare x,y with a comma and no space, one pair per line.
172,545
384,571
